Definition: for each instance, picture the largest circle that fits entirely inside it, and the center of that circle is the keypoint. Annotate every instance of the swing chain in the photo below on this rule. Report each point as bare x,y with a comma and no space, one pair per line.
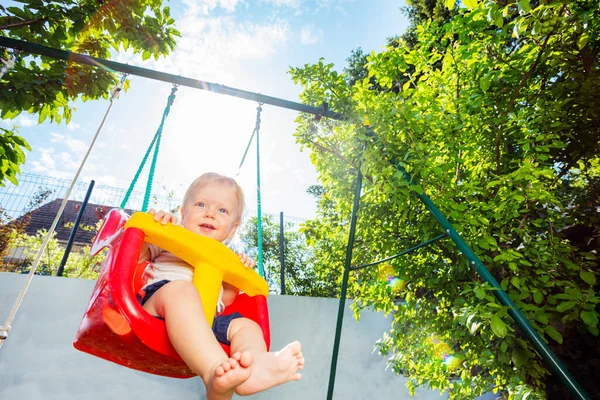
172,96
4,333
258,111
115,91
8,64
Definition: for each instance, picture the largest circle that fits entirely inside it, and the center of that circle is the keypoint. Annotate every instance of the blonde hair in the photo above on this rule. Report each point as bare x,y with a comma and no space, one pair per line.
212,177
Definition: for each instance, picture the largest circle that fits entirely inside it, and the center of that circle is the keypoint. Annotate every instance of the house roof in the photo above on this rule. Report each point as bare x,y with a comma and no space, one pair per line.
42,218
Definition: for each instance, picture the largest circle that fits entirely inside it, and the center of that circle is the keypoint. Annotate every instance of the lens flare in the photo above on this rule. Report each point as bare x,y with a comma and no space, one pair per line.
386,273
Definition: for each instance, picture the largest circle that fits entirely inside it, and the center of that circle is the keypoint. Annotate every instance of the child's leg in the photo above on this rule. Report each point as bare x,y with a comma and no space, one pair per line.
179,304
269,369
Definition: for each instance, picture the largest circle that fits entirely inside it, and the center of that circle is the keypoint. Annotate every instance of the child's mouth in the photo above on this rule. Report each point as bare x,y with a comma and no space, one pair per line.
207,227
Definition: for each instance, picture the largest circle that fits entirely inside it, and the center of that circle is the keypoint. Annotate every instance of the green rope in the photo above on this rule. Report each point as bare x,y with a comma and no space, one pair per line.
256,131
246,152
155,157
155,140
261,270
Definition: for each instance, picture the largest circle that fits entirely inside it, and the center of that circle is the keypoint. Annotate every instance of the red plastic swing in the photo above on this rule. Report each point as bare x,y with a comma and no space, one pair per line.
115,327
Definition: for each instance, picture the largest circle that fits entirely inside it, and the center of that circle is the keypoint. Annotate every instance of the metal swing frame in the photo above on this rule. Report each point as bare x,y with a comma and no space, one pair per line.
548,356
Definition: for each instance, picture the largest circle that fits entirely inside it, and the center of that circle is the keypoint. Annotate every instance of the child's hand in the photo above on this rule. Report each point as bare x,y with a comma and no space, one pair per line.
247,261
163,217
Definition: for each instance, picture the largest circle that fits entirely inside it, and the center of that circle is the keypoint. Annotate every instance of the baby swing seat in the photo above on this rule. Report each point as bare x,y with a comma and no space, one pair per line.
115,327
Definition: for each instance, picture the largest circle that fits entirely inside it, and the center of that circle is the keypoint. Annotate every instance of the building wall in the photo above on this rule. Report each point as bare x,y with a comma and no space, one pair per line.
37,361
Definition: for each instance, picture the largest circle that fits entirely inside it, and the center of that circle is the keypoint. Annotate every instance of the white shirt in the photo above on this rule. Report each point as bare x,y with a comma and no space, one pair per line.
164,265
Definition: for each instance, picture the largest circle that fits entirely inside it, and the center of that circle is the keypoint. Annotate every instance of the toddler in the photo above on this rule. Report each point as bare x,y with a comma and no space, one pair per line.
212,207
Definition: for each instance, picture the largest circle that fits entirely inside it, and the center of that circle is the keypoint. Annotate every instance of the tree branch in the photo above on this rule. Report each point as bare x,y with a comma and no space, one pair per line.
22,23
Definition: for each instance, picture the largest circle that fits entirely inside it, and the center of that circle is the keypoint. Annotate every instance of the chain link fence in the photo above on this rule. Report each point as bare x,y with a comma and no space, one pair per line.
28,210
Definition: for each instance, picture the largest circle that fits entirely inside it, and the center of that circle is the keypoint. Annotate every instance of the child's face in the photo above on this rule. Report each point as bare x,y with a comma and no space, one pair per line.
212,211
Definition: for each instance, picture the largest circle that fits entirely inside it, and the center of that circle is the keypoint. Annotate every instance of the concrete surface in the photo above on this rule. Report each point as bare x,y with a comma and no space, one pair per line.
38,361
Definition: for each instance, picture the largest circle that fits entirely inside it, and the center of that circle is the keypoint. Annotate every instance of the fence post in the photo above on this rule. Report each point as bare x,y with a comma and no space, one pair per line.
65,257
281,252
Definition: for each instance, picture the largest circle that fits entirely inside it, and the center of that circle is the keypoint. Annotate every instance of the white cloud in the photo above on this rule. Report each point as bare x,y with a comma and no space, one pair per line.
27,121
310,6
229,5
310,35
67,162
57,137
300,174
283,3
204,7
224,39
73,126
208,44
75,145
46,161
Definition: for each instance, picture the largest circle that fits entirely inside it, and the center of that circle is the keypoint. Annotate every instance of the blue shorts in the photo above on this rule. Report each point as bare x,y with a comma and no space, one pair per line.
220,323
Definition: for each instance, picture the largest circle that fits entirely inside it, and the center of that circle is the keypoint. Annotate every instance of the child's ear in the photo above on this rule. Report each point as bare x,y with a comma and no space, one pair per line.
233,230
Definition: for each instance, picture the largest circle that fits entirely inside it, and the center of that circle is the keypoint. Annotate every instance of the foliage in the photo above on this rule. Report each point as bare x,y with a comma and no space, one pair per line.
301,276
10,229
79,264
45,86
496,119
12,155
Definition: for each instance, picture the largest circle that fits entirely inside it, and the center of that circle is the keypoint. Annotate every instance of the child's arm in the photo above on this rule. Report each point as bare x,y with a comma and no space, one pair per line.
230,292
149,251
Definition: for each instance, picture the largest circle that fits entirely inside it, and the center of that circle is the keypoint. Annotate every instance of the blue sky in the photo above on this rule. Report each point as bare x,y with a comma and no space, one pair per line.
248,45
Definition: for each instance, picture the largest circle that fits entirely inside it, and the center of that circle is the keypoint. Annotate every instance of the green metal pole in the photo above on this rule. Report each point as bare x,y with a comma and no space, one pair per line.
549,357
340,316
259,227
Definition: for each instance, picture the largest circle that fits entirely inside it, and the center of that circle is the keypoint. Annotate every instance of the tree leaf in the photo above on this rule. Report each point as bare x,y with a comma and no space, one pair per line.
450,4
554,334
484,83
498,326
588,277
515,282
470,4
590,318
519,357
524,6
583,39
480,293
538,297
567,305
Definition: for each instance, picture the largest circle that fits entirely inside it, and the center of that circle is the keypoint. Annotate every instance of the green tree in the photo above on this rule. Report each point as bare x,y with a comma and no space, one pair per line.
498,123
10,229
79,264
47,87
12,155
301,276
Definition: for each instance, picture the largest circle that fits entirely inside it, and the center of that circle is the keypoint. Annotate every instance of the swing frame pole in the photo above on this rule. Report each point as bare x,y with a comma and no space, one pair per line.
346,276
113,66
549,357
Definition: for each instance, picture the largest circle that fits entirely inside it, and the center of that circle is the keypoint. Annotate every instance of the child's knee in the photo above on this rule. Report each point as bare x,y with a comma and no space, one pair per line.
181,290
243,324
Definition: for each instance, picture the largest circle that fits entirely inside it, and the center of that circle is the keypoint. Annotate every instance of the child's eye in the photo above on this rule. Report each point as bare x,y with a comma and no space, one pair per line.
201,204
223,210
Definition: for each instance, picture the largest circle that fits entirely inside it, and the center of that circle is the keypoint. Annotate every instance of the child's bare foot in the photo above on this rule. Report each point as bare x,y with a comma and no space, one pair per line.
272,369
228,375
